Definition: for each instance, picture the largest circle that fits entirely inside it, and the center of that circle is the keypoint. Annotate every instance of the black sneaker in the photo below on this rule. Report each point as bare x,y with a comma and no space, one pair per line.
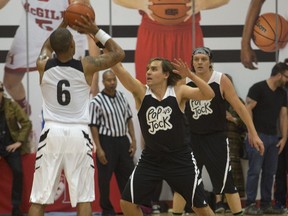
278,205
156,209
271,210
253,210
219,208
227,208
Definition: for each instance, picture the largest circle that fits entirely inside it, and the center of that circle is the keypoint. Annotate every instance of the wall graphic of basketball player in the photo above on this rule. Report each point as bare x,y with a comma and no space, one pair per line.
43,17
168,41
248,55
270,32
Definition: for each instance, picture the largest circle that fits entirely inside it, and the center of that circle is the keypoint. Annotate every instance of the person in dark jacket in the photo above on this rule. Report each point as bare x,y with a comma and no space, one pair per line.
15,128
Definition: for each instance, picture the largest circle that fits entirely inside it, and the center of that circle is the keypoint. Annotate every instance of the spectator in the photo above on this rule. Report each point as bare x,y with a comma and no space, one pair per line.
111,119
15,127
236,133
280,190
266,102
250,61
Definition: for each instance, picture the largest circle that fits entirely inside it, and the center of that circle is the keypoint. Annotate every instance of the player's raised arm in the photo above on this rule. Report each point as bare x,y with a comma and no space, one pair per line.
114,52
203,92
130,83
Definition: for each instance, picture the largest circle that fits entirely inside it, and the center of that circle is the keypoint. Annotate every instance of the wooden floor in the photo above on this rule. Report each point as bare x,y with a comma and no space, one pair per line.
192,214
226,214
162,214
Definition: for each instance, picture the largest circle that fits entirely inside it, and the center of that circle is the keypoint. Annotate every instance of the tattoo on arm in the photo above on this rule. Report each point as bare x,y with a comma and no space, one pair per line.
103,61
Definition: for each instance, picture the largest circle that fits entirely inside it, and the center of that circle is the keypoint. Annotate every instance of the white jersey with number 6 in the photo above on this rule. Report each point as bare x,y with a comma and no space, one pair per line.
66,94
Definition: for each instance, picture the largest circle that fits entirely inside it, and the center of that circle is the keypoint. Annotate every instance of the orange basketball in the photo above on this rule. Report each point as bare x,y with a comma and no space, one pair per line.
269,28
169,12
75,10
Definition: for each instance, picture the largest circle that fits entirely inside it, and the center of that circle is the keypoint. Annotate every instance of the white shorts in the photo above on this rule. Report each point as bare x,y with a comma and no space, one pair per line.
68,148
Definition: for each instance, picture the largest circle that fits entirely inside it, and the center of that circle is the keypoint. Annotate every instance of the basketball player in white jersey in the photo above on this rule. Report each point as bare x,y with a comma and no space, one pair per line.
65,142
42,18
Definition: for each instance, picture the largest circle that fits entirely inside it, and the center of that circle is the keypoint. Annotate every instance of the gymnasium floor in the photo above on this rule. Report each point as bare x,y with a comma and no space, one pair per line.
162,214
98,214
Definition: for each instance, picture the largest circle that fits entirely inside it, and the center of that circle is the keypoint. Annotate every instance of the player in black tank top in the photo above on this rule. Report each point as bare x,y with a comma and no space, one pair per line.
208,127
207,116
157,117
167,155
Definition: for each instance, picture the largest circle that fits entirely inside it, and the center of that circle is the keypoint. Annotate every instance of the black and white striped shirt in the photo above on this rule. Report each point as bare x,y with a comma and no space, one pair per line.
110,114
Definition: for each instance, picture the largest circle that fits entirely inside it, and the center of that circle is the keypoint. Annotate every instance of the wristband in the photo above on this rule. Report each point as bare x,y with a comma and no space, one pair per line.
102,36
100,45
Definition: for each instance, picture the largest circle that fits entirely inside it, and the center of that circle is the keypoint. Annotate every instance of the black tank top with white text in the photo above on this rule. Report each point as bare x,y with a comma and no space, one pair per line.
207,116
163,125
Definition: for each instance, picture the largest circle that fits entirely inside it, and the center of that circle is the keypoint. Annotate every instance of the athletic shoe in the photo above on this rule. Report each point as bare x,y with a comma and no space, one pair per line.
271,210
219,208
280,206
156,209
227,208
253,210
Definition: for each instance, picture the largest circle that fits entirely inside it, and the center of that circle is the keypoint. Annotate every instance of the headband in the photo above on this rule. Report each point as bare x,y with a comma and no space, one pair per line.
202,50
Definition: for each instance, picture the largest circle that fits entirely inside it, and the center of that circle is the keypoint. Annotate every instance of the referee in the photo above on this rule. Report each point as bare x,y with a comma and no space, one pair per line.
111,119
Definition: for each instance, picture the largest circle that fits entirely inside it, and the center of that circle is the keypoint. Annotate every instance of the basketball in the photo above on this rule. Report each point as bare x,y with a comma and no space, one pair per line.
75,10
269,28
169,12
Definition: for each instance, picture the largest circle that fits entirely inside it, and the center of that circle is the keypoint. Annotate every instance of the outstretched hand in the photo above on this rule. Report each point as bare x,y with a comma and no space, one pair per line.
181,68
86,26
